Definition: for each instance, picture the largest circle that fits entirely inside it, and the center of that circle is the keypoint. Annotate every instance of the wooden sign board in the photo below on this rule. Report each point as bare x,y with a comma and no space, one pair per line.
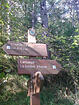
25,49
30,66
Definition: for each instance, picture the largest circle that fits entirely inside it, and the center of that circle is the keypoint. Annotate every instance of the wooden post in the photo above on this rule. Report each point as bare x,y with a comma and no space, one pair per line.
35,99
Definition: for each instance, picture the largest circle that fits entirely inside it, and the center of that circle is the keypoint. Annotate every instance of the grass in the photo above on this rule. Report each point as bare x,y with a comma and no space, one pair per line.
51,98
17,99
47,98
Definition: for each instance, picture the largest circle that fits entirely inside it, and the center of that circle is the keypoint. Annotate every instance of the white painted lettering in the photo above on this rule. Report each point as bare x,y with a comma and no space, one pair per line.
27,66
41,67
27,62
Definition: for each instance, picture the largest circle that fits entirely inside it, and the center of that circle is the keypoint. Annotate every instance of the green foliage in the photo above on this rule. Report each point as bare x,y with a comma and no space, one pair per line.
2,74
18,99
14,91
62,38
52,98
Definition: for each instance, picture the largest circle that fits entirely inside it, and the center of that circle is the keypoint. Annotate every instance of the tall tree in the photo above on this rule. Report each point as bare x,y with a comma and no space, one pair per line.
43,12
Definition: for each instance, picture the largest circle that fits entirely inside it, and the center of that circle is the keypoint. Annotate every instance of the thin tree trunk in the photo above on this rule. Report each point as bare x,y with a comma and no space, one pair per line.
76,6
34,18
43,12
8,18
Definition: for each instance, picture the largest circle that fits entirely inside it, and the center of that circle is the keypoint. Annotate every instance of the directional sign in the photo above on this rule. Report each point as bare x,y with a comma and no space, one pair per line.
30,66
25,49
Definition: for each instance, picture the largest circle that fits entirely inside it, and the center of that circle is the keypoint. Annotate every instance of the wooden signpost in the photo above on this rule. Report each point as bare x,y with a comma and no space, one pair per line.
35,67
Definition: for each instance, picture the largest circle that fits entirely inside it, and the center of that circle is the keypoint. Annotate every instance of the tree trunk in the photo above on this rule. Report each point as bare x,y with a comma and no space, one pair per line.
8,18
76,6
34,18
43,12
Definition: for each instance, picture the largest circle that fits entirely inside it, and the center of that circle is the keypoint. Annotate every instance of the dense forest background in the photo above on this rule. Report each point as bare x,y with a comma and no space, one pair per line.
56,23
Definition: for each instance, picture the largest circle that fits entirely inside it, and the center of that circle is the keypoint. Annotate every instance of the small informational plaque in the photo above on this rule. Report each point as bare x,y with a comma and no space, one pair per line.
31,36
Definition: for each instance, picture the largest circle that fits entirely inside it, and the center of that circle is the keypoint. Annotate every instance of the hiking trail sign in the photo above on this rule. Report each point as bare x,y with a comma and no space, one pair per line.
25,49
30,66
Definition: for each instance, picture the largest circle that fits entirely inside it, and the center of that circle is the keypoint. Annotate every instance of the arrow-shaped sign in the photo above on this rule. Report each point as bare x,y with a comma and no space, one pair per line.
25,49
30,66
